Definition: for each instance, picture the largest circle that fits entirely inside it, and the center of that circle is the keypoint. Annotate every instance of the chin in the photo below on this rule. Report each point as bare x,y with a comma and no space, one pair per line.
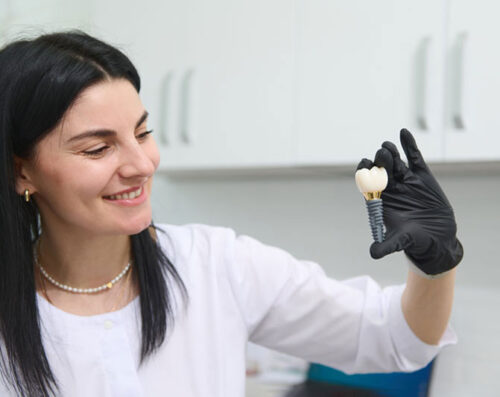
138,227
135,226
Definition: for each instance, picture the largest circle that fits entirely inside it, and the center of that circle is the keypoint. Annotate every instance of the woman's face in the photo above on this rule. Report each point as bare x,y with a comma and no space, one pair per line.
100,150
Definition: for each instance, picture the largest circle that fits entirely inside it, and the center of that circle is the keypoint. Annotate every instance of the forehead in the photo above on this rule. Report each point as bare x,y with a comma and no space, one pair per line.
108,104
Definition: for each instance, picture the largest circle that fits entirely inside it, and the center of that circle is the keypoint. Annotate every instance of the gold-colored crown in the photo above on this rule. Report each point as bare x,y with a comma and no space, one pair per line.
372,195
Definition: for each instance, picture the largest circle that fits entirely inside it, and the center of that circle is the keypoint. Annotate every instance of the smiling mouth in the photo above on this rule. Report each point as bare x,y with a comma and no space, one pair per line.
125,196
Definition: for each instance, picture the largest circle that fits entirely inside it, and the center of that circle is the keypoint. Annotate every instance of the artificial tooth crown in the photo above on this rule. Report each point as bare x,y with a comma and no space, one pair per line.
371,182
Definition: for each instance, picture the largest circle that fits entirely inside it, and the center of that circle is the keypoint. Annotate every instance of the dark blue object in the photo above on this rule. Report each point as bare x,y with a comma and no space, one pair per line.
394,384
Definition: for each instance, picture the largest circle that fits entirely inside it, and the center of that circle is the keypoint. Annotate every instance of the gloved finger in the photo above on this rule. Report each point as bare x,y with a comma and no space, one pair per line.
396,242
383,158
365,163
398,166
416,161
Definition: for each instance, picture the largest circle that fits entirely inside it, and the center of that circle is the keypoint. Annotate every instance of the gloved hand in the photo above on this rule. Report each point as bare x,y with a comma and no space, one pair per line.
417,215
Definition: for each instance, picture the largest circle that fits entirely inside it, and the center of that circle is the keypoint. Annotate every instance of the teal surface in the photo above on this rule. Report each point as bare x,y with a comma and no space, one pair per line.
395,384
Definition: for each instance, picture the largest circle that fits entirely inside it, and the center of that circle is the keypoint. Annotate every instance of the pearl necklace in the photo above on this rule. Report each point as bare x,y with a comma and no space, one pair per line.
65,287
84,290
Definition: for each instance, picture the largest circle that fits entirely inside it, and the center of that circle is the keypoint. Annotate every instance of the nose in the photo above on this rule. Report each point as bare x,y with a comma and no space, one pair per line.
138,160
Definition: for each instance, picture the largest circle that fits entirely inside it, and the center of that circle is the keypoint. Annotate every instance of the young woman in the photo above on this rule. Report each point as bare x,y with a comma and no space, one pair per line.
95,300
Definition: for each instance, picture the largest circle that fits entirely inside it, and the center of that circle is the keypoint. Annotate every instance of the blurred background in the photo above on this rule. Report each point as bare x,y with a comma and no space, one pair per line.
262,109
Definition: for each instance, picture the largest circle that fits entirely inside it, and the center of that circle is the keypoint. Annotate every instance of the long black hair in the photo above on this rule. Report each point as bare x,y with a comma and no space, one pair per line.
39,80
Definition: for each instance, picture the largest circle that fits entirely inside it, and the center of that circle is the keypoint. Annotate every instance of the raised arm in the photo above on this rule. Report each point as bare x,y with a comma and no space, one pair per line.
419,219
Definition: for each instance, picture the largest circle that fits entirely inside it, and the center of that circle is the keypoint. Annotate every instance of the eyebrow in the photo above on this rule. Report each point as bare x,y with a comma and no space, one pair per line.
102,132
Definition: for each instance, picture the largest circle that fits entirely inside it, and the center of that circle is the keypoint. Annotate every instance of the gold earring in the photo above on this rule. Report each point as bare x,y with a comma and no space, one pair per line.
26,195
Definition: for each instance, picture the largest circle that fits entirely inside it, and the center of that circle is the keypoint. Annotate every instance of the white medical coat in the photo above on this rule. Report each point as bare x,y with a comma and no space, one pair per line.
239,290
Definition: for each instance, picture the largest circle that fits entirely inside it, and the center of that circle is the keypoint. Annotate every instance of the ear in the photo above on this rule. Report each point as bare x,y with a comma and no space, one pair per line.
23,176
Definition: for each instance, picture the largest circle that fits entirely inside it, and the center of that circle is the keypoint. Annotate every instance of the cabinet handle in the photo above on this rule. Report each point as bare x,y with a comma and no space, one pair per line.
422,83
185,107
165,111
459,75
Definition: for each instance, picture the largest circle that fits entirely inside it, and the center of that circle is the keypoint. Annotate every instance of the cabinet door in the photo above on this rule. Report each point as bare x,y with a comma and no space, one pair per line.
218,75
236,91
365,70
473,94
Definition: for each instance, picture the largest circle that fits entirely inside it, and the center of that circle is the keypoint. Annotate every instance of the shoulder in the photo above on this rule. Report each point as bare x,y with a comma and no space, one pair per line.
180,241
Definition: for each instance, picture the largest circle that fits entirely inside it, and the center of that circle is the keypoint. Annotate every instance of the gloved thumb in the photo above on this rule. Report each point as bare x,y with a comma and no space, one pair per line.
396,242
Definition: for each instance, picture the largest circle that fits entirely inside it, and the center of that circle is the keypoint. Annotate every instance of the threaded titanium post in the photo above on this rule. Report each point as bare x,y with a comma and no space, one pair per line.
376,216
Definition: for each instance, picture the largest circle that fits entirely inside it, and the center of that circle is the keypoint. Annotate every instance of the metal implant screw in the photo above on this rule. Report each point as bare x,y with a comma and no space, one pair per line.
376,217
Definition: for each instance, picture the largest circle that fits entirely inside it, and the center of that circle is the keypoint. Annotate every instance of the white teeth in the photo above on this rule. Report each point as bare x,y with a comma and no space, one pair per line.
126,196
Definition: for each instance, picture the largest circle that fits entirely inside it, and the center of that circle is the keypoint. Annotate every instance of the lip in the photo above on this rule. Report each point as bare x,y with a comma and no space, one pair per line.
130,202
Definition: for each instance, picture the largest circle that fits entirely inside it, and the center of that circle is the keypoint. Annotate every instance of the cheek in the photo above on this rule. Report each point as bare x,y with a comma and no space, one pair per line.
51,179
69,180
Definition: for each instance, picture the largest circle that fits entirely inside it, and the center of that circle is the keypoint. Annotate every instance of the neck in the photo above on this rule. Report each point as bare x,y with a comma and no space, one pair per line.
83,260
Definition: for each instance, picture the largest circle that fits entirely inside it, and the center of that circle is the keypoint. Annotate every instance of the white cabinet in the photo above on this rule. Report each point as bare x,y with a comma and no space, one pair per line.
472,121
216,75
235,84
366,70
249,84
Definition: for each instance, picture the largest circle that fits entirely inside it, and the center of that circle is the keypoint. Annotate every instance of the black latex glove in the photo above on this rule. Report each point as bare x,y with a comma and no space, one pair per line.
417,215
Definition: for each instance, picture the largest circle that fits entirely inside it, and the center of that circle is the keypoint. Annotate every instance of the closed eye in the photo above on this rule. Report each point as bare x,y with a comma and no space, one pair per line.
96,152
144,134
101,150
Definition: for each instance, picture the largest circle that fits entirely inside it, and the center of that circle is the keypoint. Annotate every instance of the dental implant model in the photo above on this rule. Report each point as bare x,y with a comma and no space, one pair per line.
371,183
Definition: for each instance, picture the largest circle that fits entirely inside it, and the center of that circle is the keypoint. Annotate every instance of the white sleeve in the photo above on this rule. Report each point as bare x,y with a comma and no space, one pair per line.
293,307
